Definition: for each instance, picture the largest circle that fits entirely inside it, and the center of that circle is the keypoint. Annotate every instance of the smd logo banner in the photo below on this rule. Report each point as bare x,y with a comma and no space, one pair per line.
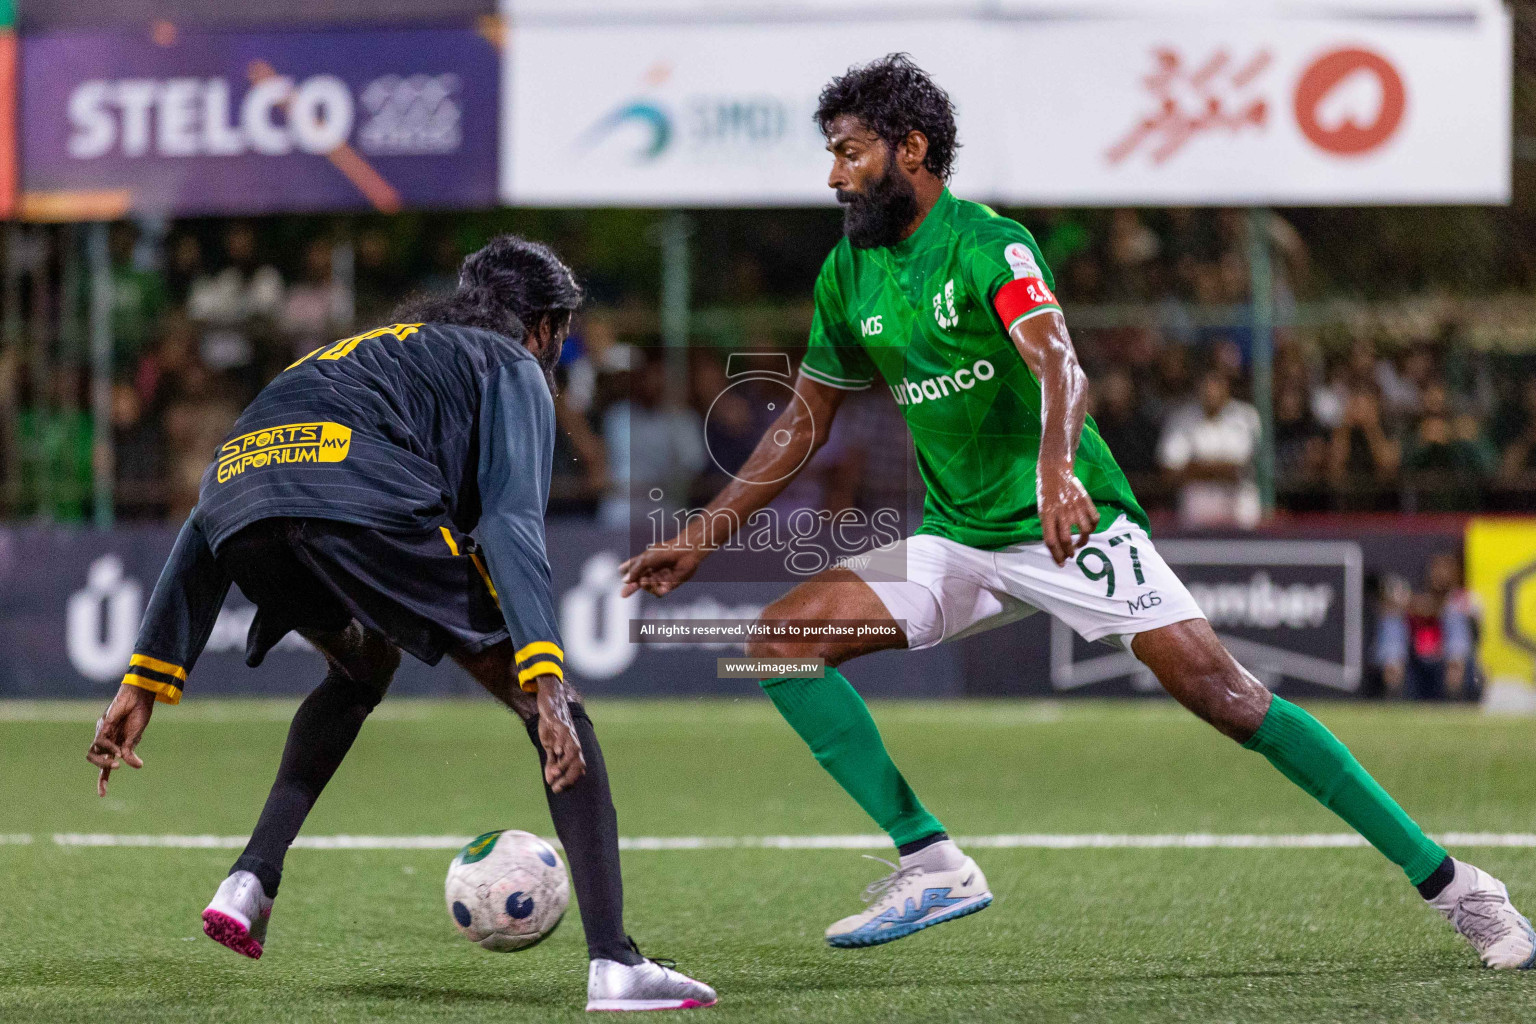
184,122
713,111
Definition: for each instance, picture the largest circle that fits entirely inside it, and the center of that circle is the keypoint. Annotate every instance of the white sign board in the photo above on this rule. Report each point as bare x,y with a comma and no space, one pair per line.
1278,112
608,11
688,115
1070,112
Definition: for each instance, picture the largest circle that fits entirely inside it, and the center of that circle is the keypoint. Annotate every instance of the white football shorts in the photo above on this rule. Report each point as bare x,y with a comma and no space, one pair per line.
1112,589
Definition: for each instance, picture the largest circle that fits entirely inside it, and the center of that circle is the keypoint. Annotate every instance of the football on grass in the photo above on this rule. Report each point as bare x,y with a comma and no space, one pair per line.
507,890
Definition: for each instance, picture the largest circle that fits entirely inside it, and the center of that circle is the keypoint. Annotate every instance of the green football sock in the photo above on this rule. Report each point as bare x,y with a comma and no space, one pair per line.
835,723
1309,755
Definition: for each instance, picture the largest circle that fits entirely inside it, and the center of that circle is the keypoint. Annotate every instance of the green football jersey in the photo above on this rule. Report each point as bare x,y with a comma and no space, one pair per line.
920,316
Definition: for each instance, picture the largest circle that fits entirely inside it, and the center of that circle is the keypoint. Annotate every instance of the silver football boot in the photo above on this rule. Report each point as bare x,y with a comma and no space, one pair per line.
648,985
1478,906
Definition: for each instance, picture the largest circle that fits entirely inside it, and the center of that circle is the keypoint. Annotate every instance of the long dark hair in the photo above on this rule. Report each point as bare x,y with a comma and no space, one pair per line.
510,286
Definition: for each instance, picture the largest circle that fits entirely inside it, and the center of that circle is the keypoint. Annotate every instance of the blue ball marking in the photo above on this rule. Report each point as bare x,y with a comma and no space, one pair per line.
461,914
519,906
546,855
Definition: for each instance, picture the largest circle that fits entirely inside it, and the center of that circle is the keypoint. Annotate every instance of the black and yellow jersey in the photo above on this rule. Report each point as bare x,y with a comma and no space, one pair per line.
413,429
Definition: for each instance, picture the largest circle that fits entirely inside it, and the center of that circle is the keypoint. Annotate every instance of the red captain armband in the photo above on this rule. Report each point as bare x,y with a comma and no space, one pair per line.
1022,298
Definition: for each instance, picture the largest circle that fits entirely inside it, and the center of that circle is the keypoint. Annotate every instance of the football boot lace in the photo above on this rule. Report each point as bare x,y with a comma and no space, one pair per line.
881,887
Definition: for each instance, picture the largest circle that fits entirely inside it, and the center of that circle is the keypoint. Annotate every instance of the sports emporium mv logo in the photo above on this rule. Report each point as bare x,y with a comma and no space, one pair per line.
1231,96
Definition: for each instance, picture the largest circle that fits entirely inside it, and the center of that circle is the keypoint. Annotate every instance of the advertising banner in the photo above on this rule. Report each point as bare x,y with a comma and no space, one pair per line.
768,10
1294,611
683,114
1501,570
178,122
1288,610
1263,112
7,109
1073,111
71,603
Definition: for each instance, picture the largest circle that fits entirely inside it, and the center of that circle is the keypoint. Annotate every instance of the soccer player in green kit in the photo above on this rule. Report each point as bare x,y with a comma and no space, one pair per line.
952,307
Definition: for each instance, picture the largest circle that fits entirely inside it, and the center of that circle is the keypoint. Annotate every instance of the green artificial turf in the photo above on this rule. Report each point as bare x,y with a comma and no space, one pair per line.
1145,935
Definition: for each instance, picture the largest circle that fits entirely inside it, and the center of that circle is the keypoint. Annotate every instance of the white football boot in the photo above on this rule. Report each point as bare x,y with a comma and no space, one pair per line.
648,985
238,915
1478,906
937,884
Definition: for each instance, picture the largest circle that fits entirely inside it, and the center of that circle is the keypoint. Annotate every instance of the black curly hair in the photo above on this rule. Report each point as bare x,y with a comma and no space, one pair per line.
510,286
892,96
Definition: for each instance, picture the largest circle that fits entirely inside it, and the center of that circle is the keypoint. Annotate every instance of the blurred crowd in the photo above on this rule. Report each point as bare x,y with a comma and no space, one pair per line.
1425,646
202,318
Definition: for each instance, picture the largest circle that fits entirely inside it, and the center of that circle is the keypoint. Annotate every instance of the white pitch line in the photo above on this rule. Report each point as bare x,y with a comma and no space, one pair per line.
17,839
1023,841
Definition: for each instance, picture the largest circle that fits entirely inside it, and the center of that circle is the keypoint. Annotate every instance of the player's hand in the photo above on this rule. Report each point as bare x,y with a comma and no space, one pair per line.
118,732
661,568
1065,506
563,761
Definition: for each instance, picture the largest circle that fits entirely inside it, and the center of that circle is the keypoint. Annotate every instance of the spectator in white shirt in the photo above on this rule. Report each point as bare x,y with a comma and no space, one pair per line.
1208,447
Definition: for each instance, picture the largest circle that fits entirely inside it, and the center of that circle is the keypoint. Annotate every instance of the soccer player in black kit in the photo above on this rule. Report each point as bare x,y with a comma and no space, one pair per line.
386,493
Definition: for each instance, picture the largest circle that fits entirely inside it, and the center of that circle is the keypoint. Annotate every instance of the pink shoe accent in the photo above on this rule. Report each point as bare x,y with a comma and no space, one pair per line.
226,931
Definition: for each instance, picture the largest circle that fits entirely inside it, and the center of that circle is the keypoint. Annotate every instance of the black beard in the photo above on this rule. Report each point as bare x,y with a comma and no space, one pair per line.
548,359
878,217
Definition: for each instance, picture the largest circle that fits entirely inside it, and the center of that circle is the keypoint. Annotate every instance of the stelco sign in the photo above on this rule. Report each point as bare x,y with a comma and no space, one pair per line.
234,122
192,117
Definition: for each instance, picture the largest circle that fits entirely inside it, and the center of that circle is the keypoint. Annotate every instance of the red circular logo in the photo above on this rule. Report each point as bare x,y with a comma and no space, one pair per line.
1346,137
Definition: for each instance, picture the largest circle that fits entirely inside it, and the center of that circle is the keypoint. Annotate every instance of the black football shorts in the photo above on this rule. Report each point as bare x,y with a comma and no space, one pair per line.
428,592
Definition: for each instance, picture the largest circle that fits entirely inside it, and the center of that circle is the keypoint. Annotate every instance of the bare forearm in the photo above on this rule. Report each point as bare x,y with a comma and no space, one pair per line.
1063,408
1067,514
1047,349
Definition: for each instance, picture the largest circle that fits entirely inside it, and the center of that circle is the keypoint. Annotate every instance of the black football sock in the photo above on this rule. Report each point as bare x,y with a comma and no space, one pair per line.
320,736
1435,884
588,828
907,849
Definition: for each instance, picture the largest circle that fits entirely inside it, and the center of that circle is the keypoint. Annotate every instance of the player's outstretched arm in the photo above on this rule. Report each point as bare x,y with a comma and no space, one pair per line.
181,613
784,449
1046,346
517,442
